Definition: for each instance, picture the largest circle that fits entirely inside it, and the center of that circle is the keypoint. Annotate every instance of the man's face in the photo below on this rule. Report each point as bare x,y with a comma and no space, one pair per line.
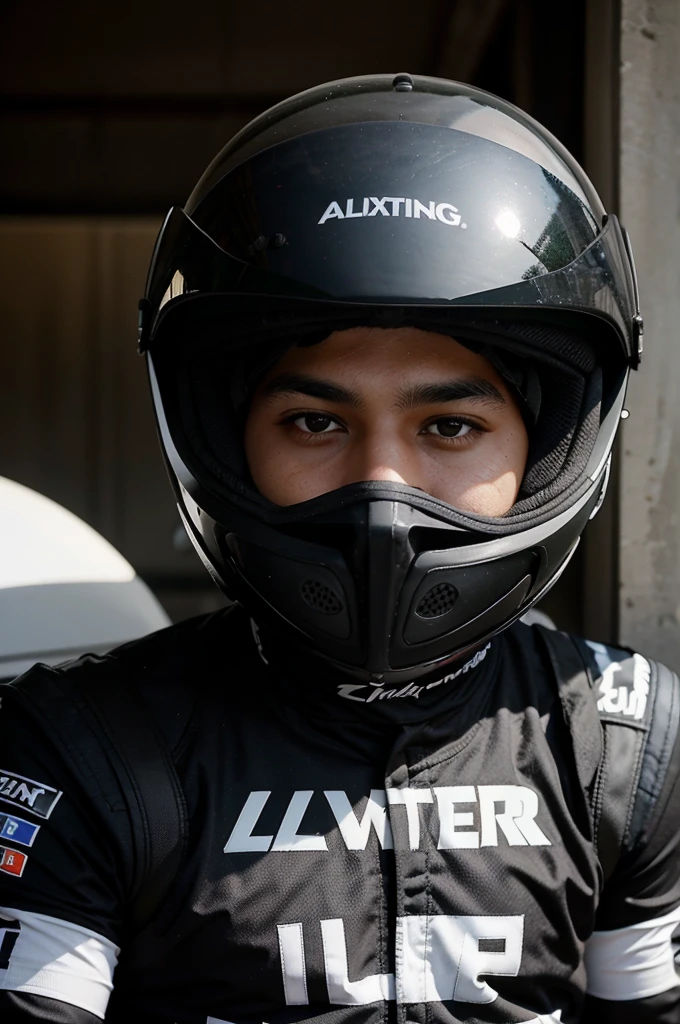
399,405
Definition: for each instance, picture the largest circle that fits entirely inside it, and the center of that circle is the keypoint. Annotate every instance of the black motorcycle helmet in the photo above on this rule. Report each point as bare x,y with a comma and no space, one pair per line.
384,200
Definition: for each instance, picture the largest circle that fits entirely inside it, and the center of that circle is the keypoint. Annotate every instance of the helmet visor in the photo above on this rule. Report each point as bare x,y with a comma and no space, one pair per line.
397,213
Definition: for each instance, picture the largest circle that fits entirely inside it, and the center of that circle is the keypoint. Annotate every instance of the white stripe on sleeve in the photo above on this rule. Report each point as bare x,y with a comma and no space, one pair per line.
49,957
633,962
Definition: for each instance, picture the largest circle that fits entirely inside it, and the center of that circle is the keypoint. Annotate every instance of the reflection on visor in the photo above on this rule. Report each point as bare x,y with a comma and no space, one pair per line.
509,223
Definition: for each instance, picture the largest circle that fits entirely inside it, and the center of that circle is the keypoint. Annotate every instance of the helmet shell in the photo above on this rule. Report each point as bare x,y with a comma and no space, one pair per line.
376,196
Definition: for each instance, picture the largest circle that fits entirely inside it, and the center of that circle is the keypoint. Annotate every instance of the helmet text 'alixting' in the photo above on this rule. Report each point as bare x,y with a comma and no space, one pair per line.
393,206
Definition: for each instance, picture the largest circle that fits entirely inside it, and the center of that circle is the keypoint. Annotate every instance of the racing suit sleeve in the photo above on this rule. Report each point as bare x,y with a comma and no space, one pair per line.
633,957
65,859
17,1007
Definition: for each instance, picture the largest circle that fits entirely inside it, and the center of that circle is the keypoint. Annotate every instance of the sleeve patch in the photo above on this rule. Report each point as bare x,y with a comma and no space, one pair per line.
48,957
36,797
634,962
624,682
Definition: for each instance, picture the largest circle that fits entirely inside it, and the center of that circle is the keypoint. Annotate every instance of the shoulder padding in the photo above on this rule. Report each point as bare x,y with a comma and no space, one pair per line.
635,706
638,701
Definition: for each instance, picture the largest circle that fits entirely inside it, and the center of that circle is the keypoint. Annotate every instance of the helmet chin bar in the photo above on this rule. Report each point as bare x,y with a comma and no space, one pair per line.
384,593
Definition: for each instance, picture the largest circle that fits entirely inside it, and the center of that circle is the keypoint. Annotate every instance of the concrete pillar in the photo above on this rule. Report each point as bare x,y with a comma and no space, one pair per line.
649,189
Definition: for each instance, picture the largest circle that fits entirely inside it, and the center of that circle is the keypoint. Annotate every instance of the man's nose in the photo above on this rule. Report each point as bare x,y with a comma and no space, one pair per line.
381,458
386,474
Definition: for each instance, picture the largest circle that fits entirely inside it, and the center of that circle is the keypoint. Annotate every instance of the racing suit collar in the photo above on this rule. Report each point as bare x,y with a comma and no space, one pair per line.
307,682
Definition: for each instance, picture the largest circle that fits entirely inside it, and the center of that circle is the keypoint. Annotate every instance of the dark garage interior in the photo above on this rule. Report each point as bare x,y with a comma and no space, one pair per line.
109,114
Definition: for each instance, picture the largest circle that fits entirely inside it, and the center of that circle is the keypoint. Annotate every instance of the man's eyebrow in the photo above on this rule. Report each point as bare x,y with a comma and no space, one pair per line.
315,387
471,388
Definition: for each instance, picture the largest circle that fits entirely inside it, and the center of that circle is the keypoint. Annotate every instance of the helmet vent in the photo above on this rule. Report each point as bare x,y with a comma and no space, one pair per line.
437,601
320,597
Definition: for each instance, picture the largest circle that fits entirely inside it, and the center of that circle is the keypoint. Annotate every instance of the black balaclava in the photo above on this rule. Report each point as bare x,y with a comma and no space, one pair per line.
553,373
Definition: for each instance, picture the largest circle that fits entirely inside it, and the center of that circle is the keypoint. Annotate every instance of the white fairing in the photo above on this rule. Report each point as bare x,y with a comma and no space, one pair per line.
64,590
56,959
634,962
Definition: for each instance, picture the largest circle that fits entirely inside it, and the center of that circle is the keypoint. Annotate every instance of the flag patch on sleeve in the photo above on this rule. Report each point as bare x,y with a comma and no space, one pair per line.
18,830
12,862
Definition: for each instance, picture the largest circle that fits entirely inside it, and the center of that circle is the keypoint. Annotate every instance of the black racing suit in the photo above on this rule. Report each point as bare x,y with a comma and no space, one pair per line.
355,855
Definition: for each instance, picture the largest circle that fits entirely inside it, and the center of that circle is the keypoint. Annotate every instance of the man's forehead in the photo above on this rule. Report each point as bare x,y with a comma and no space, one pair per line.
407,394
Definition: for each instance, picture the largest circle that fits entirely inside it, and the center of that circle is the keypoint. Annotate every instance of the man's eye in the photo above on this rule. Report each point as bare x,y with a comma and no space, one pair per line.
315,423
448,428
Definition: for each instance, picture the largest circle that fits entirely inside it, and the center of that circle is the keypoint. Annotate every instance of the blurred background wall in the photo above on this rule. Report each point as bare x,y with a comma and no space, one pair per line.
649,174
108,115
